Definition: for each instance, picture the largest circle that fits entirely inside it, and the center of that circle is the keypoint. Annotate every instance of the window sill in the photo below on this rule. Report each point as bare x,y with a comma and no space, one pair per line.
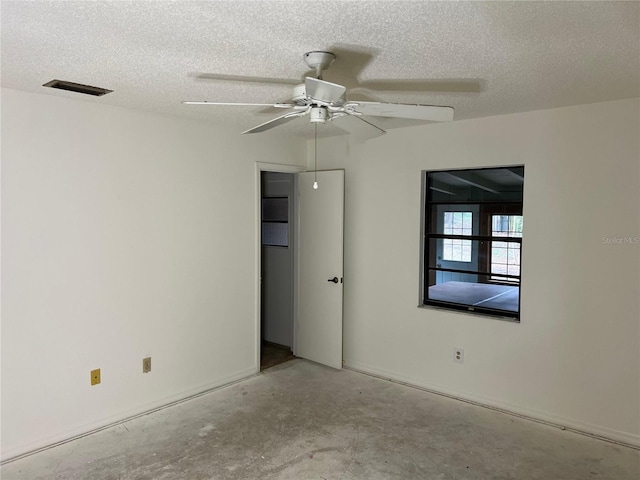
462,311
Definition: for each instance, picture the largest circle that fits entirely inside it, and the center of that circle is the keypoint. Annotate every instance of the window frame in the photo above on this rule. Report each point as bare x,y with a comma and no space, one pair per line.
484,238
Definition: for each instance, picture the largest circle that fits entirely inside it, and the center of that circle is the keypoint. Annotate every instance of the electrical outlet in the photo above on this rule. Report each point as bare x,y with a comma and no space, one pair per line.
95,376
146,365
458,355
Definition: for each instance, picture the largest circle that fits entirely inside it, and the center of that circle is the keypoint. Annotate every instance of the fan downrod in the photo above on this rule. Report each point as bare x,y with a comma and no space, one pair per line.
319,61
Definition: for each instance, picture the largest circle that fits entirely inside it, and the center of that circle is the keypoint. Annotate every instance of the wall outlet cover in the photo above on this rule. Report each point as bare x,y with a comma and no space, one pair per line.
458,355
146,365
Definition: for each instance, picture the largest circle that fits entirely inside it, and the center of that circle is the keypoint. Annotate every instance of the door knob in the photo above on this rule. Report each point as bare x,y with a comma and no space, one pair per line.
334,280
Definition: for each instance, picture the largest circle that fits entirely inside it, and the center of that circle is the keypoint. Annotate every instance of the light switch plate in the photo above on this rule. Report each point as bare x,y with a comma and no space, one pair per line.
95,376
146,365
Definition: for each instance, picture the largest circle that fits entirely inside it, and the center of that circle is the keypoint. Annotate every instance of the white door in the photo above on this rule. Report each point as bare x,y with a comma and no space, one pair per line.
320,227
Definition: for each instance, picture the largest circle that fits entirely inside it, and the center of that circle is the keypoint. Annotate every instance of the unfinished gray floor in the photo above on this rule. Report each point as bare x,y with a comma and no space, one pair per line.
300,420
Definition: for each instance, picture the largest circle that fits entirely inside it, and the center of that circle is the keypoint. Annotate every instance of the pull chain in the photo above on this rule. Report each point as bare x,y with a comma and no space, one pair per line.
315,156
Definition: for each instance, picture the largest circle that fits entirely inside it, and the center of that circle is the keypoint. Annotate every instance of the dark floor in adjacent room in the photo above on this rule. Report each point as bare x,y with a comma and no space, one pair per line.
300,420
273,354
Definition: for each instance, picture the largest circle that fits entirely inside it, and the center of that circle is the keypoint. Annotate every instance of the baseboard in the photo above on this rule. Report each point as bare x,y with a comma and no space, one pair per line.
619,437
45,443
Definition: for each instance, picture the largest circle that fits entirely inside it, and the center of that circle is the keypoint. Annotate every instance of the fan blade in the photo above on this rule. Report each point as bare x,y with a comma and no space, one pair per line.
276,105
242,78
402,110
322,91
359,127
287,117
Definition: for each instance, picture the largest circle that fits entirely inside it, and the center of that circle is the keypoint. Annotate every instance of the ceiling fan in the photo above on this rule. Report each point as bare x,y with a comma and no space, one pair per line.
324,101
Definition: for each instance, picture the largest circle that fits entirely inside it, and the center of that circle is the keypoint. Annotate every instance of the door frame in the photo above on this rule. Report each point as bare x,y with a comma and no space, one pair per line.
271,167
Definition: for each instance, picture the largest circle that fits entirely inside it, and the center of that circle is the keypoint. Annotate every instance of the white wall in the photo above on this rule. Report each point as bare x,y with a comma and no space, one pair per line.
124,235
575,357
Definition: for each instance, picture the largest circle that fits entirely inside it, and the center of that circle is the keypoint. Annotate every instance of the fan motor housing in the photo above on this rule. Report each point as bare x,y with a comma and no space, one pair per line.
300,94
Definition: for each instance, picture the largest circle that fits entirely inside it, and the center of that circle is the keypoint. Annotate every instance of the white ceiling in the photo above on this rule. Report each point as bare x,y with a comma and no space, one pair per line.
482,58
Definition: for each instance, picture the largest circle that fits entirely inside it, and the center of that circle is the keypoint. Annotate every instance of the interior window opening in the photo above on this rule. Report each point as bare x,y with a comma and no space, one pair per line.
472,243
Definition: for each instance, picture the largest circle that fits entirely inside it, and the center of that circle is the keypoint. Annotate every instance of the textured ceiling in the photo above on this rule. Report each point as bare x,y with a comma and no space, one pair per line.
482,58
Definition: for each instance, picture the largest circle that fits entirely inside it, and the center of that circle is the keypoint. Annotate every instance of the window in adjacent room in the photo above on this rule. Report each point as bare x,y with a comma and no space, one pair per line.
457,223
505,256
472,241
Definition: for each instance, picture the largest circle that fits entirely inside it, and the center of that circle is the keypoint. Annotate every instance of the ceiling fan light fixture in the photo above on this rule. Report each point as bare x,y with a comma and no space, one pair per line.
318,114
323,100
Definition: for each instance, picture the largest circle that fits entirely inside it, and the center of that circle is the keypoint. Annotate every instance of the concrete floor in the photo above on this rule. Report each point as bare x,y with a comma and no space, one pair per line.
300,420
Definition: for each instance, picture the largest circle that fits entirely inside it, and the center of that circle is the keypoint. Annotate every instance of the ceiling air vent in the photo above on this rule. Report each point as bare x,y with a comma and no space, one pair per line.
77,87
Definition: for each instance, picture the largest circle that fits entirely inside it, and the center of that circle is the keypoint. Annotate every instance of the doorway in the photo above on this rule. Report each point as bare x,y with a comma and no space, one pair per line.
300,223
277,267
